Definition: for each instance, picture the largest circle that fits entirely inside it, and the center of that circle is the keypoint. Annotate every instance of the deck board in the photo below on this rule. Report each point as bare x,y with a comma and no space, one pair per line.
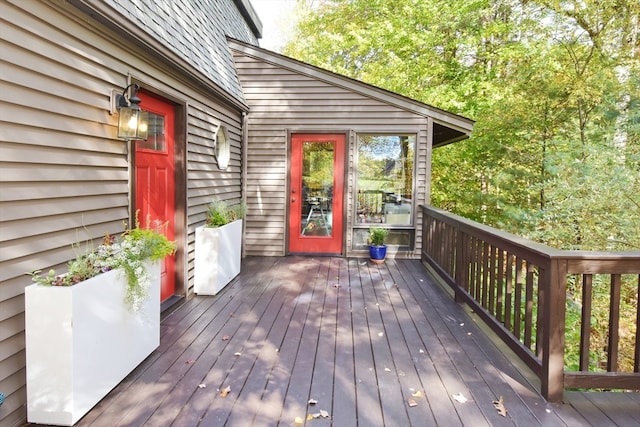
358,338
484,386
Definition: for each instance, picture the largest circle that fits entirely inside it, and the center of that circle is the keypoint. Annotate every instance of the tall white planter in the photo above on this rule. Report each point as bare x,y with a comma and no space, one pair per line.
218,257
82,340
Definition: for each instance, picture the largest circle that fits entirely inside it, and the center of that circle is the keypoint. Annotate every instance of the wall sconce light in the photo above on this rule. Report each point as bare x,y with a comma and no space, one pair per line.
133,123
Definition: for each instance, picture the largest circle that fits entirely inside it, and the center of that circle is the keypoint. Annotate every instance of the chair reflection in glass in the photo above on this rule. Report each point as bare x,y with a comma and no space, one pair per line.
318,221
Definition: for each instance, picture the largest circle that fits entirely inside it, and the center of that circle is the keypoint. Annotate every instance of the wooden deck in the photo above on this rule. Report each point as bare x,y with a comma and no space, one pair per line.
366,342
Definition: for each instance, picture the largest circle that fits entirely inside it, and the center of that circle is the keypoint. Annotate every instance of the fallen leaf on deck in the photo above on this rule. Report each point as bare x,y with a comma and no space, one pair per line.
225,338
499,405
312,402
225,391
237,353
202,385
321,414
417,394
387,370
336,285
298,421
421,351
190,361
412,403
380,334
460,398
309,417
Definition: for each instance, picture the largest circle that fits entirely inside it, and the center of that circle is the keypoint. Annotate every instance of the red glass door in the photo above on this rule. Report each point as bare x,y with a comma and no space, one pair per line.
155,178
316,199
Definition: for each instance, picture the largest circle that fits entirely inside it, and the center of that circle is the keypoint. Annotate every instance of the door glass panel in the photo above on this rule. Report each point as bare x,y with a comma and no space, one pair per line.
317,188
155,140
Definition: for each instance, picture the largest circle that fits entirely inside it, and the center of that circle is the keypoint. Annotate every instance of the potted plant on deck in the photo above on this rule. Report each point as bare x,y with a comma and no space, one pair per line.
377,248
218,247
87,329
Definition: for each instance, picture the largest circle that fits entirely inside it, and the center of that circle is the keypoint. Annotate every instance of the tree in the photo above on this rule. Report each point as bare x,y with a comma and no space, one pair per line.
552,84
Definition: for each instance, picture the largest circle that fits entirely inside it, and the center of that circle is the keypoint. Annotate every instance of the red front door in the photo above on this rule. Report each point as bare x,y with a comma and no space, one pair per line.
155,178
316,199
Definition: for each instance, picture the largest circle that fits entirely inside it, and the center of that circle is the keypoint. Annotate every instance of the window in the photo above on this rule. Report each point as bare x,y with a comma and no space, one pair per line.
223,150
385,180
155,139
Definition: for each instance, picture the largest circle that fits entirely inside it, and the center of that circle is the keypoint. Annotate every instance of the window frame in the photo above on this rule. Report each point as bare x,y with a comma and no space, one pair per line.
356,223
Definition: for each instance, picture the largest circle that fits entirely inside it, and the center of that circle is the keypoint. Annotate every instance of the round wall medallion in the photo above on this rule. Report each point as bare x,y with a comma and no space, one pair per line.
223,151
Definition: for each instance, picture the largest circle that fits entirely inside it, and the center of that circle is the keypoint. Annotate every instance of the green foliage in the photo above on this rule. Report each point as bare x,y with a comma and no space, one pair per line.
78,270
220,213
377,236
553,85
127,252
152,244
600,322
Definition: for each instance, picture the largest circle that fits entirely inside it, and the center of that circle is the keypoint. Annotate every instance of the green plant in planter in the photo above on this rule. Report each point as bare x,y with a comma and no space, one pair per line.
377,236
127,252
220,213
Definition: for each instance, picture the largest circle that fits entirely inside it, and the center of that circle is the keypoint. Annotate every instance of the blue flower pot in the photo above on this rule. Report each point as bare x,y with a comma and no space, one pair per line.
377,253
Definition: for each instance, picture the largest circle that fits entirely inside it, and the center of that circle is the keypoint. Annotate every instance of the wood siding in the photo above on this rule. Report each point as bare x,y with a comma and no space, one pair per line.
285,101
65,175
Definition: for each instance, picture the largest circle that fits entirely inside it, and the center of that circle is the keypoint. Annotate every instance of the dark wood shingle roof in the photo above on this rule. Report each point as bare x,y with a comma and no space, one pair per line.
194,30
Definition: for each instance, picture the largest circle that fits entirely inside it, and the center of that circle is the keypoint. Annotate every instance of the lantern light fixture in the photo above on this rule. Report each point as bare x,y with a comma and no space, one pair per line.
133,123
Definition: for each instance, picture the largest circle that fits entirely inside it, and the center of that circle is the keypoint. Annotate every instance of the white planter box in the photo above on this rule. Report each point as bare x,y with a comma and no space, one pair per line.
218,257
82,340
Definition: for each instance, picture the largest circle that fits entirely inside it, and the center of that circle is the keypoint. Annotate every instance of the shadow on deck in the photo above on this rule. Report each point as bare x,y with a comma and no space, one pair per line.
373,345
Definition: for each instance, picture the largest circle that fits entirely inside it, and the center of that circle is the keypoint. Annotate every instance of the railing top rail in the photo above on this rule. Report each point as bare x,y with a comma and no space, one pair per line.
578,261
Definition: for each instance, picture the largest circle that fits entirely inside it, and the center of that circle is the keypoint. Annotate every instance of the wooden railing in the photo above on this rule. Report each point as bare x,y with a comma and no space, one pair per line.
519,288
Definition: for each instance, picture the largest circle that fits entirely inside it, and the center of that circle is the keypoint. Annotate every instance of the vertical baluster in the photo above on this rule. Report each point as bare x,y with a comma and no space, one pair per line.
636,356
478,276
543,279
450,265
528,318
454,244
492,279
501,284
486,258
614,323
508,301
517,308
472,265
585,324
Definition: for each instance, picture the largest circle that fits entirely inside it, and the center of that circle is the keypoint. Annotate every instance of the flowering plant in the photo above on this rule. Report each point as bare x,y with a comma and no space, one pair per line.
127,252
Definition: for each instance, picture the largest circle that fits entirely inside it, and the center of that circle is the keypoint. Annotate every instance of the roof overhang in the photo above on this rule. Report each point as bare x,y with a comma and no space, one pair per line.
448,127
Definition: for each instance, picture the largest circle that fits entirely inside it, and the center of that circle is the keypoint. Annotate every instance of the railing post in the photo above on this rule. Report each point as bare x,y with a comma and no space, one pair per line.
553,334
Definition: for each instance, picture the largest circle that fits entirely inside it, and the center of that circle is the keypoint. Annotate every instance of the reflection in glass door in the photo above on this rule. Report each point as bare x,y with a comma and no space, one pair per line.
317,179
